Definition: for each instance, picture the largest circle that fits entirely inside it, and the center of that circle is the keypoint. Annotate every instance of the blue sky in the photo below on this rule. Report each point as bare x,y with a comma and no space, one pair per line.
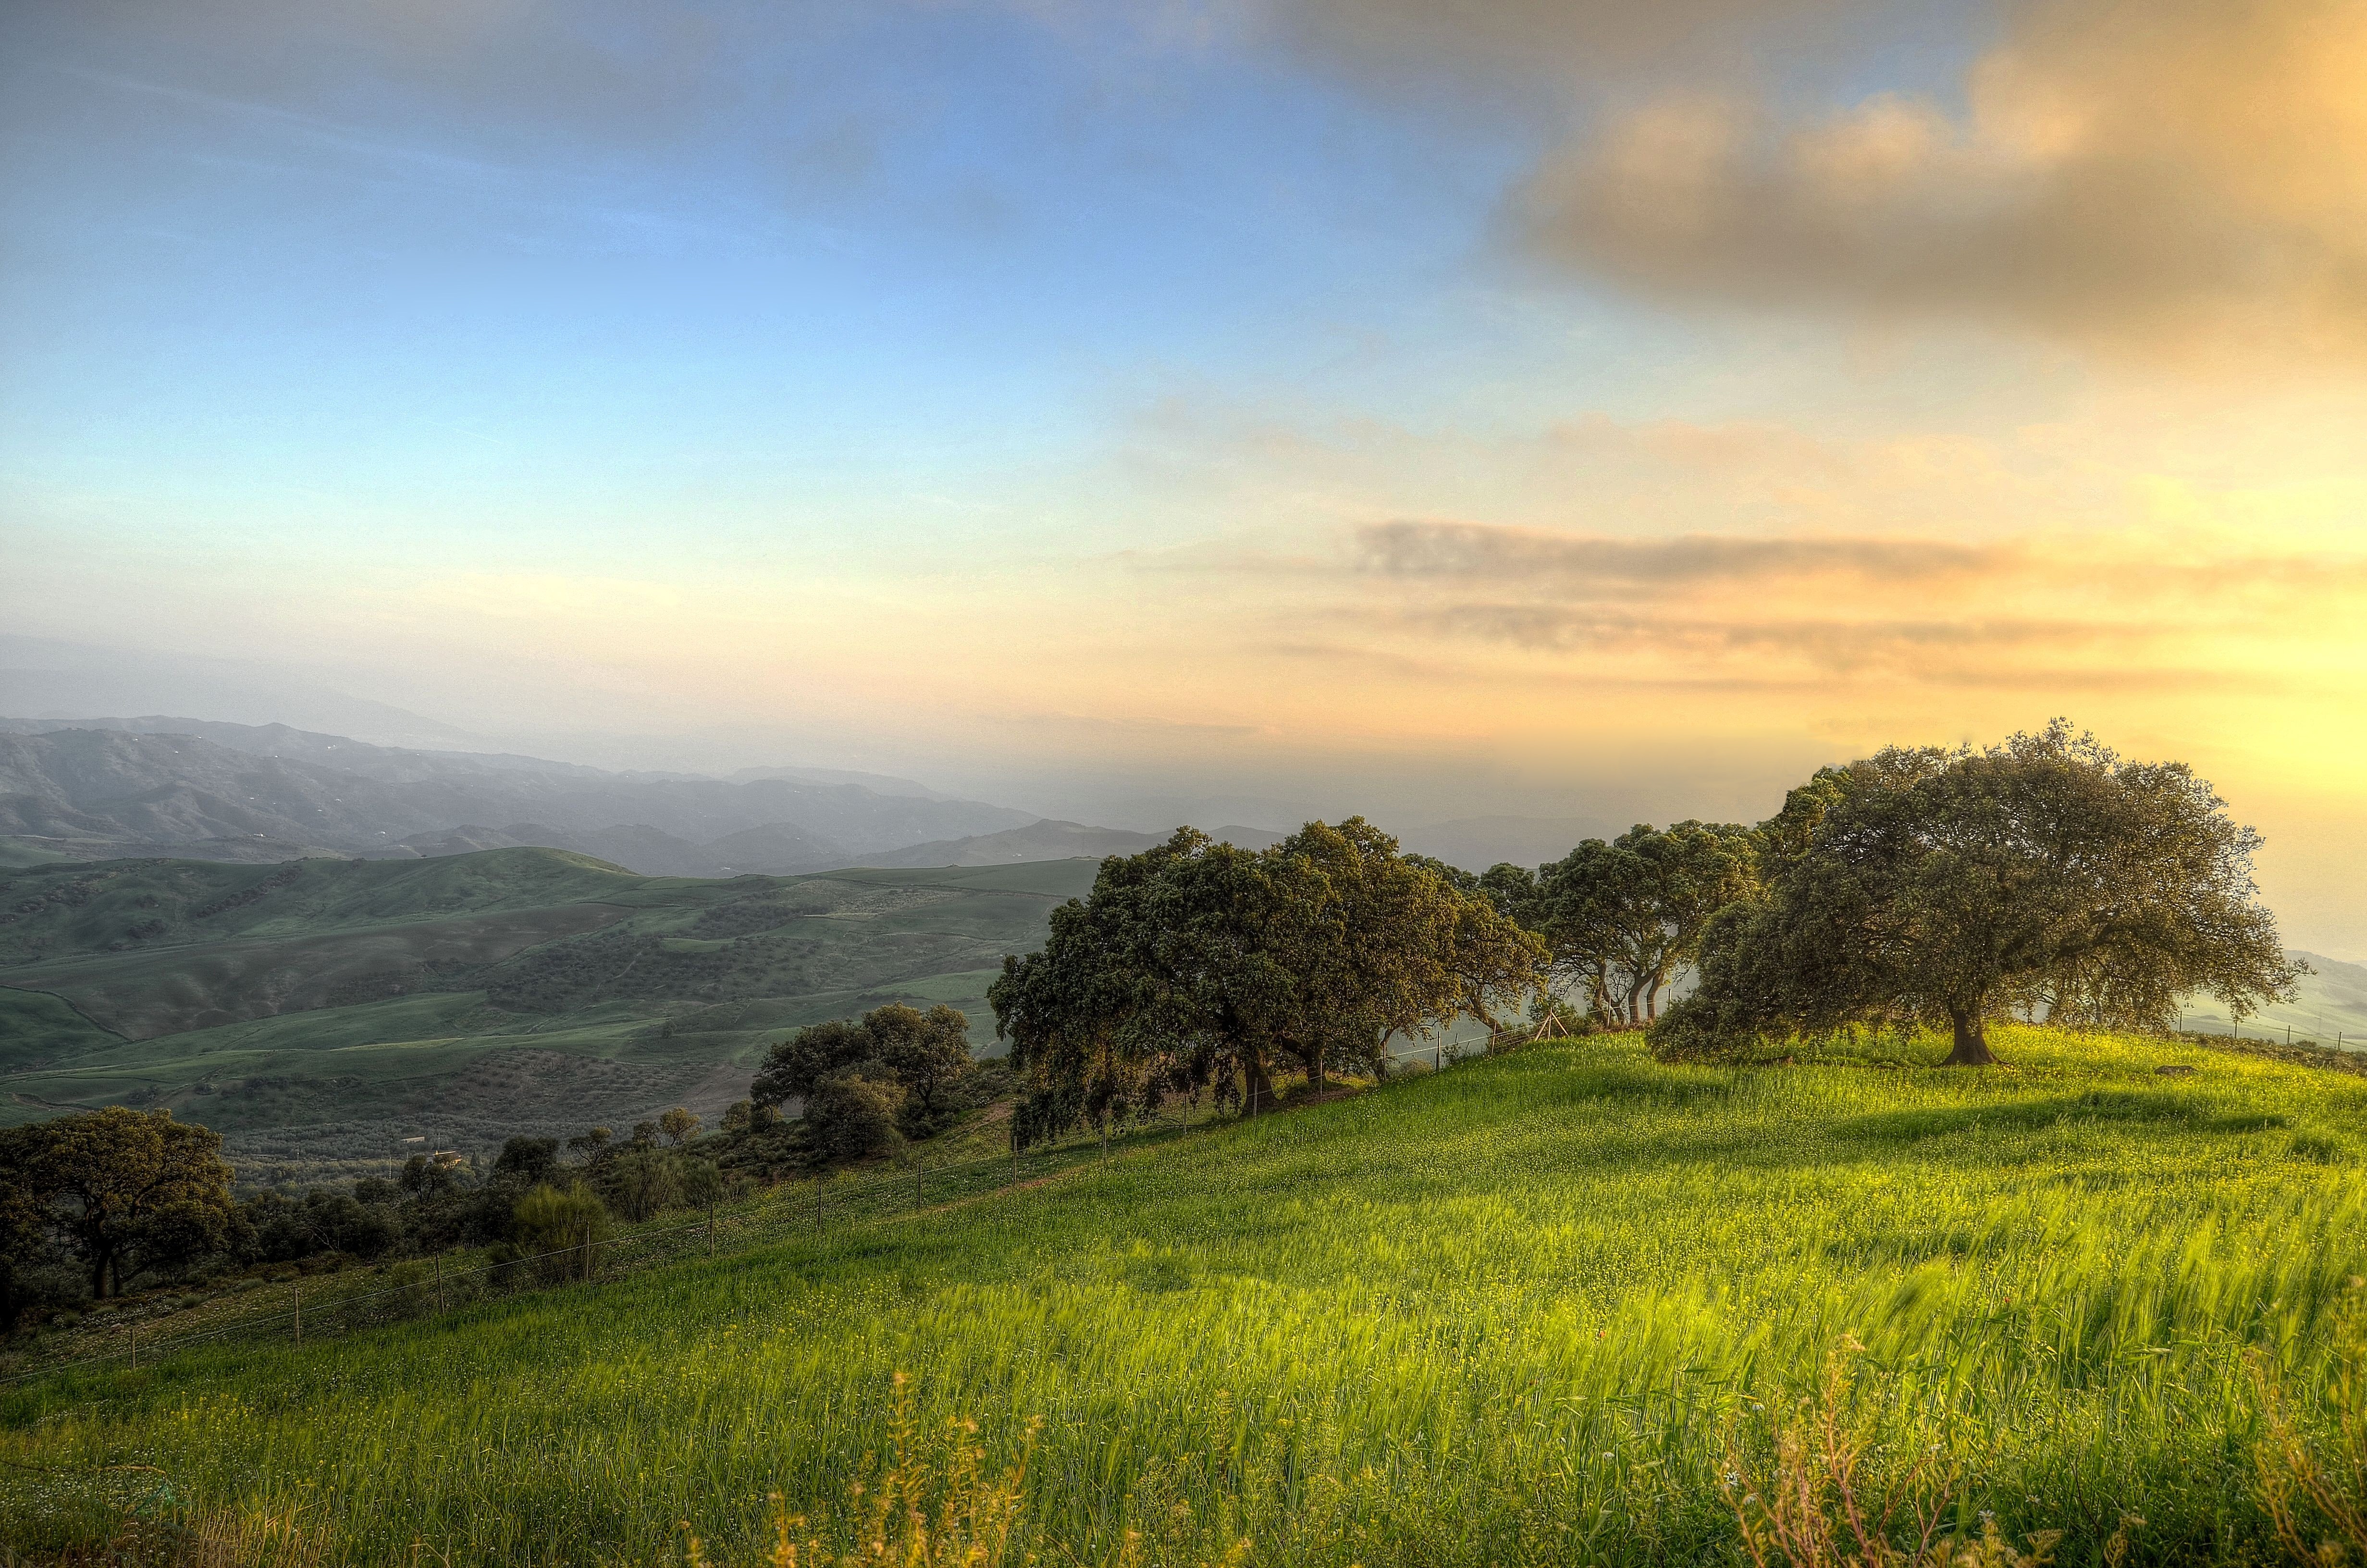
1288,398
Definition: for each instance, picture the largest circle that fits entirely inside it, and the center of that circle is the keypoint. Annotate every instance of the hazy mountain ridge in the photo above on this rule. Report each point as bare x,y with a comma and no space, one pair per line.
1052,840
228,791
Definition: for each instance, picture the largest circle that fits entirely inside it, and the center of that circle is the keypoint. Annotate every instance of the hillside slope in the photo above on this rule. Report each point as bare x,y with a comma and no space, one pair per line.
328,1010
1502,1315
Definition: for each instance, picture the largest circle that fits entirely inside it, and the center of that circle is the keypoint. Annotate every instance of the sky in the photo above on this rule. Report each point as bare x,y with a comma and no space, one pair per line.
1435,408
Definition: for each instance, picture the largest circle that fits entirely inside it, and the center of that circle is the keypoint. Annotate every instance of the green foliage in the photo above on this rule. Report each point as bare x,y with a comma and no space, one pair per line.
129,1192
561,1229
1940,887
1622,917
1197,966
849,1117
641,1182
923,1056
1505,1315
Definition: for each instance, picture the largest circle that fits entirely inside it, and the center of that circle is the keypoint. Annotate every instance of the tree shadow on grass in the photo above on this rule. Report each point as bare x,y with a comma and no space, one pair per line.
2117,1107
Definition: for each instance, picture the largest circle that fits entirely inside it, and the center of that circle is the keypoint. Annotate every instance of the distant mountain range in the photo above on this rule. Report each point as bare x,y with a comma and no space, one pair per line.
195,789
97,789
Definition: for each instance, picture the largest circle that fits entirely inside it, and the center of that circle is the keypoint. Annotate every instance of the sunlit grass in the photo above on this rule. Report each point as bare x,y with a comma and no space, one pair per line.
1499,1315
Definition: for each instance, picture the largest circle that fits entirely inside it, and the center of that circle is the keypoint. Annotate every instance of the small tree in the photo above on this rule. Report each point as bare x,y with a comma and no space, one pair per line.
642,1182
924,1052
562,1228
922,1055
793,1065
680,1125
525,1161
129,1190
848,1117
1940,887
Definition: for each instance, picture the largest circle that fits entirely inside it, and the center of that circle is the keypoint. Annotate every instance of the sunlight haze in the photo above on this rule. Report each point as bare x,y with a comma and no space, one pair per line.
1435,411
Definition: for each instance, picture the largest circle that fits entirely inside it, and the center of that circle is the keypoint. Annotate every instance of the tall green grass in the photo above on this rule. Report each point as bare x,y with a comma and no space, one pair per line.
1502,1315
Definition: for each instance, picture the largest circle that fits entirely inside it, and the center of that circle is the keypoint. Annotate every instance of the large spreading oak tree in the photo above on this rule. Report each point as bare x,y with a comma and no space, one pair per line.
1947,887
1197,965
129,1190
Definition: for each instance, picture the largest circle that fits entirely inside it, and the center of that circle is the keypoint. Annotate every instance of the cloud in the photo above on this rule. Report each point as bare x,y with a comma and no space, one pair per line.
1471,550
2186,180
2134,612
1562,39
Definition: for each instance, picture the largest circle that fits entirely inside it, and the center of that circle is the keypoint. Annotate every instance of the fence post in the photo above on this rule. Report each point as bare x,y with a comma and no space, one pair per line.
710,1233
439,1283
917,1183
299,1288
817,1206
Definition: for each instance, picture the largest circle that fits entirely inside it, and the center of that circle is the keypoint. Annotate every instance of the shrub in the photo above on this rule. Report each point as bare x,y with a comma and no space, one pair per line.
848,1117
560,1230
640,1182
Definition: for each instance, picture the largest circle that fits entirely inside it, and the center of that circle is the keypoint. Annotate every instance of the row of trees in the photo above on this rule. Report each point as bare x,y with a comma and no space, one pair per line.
2045,877
1200,966
96,1204
1621,919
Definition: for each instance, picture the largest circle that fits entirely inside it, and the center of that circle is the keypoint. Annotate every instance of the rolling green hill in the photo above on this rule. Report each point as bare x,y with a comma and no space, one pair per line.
331,1015
1527,1310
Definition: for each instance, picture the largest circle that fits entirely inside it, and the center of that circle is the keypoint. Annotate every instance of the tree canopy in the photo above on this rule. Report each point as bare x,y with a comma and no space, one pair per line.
1197,965
1933,887
1621,917
127,1190
921,1055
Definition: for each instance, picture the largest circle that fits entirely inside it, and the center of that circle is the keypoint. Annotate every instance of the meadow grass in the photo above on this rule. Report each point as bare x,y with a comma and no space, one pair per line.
1520,1311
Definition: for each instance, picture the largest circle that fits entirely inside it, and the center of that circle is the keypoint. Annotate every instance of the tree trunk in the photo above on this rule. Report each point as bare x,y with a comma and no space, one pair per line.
1972,1048
1316,1083
1260,1086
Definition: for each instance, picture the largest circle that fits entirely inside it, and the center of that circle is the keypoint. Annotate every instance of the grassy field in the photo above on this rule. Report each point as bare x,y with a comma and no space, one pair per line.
1501,1314
319,1013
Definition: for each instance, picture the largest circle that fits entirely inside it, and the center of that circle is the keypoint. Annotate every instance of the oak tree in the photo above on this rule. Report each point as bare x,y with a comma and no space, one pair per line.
1945,887
127,1190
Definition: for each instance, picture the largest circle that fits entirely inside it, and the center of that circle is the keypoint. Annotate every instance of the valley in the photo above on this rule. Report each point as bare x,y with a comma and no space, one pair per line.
329,1017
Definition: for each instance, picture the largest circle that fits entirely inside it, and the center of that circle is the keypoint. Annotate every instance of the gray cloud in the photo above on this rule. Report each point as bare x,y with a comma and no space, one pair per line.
1474,551
2182,178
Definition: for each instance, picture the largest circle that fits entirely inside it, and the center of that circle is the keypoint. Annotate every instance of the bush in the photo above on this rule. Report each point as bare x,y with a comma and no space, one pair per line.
641,1182
702,1184
565,1225
848,1117
527,1161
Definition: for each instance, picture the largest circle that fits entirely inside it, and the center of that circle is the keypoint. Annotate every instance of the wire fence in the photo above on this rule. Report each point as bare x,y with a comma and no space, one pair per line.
320,1308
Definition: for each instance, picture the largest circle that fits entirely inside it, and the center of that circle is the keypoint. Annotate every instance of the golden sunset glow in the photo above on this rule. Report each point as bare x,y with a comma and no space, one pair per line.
1452,416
